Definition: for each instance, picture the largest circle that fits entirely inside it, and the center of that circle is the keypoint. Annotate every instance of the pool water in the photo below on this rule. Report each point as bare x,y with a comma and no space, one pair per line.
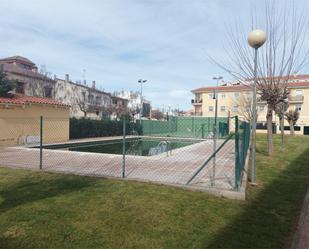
133,147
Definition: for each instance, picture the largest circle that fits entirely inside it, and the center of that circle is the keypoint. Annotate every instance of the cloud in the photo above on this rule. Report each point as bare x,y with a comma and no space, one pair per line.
120,41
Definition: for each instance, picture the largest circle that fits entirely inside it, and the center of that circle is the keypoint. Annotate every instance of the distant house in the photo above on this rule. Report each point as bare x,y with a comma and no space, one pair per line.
20,120
29,81
119,107
85,101
134,103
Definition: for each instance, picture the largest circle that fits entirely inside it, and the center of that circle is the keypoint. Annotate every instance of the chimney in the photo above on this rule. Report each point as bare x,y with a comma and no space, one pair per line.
93,84
67,78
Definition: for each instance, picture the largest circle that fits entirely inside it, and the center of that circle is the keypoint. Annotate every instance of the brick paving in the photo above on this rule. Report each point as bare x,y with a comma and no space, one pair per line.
176,168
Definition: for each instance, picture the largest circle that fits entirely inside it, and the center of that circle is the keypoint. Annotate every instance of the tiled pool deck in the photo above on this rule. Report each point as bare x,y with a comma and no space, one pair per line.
176,168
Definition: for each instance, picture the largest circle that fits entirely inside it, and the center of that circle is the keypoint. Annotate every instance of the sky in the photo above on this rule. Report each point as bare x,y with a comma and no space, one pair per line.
117,42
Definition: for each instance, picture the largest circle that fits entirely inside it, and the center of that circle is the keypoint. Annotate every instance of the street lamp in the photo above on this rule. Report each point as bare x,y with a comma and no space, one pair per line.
141,81
256,39
215,132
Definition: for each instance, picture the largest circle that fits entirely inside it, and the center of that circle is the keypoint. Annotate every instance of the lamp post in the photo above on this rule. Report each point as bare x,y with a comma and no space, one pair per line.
256,39
215,132
141,81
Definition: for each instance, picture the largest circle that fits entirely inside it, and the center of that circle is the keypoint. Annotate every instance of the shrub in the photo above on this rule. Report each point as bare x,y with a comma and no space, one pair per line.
86,128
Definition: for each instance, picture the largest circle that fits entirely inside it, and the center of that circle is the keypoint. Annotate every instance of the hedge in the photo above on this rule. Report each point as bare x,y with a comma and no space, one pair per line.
86,128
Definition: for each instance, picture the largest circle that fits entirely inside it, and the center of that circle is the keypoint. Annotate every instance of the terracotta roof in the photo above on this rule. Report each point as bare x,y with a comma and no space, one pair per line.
18,58
222,88
23,99
293,82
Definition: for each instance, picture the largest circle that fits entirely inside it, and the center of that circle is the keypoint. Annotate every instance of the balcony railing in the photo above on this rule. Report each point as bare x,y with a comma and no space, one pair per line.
196,101
296,98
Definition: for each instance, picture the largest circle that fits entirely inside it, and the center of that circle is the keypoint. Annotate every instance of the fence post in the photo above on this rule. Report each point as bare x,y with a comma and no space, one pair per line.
236,153
124,149
41,142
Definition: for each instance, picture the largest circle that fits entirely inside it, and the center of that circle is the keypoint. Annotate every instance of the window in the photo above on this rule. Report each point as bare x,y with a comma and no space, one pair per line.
210,96
98,100
48,92
222,95
90,98
84,96
299,92
222,108
20,87
298,108
210,108
236,95
235,108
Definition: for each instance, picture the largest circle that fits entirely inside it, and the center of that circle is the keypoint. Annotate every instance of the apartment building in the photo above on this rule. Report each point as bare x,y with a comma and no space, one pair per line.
235,99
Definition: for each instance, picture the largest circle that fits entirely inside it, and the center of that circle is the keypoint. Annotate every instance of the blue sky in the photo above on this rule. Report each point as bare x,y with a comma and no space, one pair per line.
119,41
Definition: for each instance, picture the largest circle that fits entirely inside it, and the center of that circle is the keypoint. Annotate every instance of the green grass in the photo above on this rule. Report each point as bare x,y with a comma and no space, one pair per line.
45,210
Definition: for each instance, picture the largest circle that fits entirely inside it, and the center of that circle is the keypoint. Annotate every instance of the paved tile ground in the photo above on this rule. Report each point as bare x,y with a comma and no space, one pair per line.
176,168
301,238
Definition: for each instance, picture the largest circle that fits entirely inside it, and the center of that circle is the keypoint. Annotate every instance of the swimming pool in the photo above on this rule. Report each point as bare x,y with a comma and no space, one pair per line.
139,147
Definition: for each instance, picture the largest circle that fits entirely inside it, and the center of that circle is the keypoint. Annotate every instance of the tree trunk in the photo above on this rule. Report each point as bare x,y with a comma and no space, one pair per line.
292,129
282,128
269,119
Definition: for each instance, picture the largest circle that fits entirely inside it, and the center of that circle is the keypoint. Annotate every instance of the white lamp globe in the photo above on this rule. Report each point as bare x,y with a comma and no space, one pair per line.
256,38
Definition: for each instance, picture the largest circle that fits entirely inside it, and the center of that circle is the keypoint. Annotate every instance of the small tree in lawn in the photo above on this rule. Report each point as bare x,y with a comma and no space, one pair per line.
6,85
280,110
292,116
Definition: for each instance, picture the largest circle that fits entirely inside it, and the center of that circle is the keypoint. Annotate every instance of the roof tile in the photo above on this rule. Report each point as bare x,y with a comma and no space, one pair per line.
23,99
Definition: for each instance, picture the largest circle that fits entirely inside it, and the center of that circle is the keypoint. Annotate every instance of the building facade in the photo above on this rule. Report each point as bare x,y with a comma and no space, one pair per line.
235,99
29,81
85,101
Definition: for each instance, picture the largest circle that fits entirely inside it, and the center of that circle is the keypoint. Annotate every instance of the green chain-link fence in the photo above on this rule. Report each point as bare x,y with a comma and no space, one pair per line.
193,127
180,150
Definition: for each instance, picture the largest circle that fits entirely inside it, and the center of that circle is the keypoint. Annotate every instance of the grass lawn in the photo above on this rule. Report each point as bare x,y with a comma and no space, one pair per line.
45,210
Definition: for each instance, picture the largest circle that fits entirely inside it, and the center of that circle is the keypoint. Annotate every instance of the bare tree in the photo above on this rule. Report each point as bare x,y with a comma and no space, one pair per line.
244,104
280,110
292,116
282,55
82,105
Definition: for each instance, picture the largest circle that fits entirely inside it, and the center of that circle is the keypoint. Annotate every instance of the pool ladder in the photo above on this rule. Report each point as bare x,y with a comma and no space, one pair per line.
161,147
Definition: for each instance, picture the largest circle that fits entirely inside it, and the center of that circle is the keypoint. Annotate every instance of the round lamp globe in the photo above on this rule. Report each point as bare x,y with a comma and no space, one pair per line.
256,38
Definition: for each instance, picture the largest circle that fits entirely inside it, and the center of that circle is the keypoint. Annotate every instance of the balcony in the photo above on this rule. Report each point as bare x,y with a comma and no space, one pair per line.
196,101
296,99
198,114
